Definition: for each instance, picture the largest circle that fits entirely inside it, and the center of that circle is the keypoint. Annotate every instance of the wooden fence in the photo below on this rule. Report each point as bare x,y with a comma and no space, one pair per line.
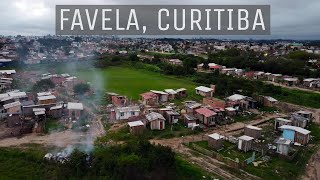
219,157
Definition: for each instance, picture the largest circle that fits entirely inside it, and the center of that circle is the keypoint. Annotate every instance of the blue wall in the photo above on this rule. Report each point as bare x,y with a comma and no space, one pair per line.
288,134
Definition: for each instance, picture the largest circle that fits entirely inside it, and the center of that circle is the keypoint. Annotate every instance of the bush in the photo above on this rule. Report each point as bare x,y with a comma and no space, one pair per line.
81,88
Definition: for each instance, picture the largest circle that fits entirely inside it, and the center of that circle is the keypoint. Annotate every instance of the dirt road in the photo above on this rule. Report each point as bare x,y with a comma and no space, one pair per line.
60,139
313,168
292,87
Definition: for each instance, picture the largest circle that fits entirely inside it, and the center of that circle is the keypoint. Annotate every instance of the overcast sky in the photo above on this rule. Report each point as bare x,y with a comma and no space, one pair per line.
296,19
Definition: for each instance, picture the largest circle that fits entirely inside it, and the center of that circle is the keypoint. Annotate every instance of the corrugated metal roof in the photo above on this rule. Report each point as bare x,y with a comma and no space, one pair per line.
246,138
44,94
154,116
135,123
253,127
10,105
236,97
41,98
295,128
75,106
216,136
204,89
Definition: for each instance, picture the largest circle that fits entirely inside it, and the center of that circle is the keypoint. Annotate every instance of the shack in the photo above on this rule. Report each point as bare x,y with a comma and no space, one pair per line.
252,131
215,141
156,120
296,134
281,121
204,91
136,127
189,120
74,110
283,146
46,99
245,143
206,116
56,111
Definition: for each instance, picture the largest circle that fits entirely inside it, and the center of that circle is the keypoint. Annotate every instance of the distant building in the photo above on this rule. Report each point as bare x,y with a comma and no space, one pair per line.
267,101
122,113
189,120
50,99
120,101
162,96
204,91
171,93
191,107
150,98
182,92
172,116
74,110
230,111
56,111
290,81
12,108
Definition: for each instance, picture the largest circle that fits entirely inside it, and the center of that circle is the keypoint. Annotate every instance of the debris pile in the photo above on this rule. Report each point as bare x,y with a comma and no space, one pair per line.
60,157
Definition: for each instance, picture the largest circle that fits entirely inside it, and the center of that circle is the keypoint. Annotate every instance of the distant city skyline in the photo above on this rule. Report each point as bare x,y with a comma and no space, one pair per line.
290,19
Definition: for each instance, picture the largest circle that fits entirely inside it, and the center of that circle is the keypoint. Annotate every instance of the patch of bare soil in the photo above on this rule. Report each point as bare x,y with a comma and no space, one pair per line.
313,168
117,126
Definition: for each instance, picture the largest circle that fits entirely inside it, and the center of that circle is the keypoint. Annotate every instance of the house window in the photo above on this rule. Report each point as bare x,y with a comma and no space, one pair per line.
122,114
132,113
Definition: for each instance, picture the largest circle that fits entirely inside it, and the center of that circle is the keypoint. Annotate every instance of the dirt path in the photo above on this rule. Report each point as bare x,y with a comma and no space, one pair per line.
60,139
313,168
292,87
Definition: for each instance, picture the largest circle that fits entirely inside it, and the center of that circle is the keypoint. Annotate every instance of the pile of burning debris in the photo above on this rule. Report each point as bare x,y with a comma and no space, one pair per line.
60,157
65,155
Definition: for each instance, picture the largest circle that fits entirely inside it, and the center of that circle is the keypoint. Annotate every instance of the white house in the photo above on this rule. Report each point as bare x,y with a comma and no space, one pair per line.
122,113
204,91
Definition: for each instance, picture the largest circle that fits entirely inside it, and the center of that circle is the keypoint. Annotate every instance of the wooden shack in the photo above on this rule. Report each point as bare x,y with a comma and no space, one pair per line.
252,131
136,127
56,111
215,141
245,143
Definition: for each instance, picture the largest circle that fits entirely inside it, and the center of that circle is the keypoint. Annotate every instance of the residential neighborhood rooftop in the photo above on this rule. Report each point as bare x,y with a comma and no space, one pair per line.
74,106
295,128
216,136
204,89
246,138
135,123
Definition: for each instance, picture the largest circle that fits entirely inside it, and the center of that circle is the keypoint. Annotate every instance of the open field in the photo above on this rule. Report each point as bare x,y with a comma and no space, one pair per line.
132,82
119,79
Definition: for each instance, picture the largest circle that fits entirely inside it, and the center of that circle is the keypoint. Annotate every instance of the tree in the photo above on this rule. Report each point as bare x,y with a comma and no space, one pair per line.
133,57
206,65
43,85
81,88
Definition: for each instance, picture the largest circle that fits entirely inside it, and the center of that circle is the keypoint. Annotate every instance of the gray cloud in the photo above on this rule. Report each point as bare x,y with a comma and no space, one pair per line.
289,18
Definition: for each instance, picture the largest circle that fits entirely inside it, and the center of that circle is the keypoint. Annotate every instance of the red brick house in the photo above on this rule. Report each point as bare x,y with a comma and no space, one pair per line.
206,116
150,98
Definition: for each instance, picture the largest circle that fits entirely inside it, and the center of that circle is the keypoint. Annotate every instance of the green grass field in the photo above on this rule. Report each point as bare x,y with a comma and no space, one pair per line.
132,82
